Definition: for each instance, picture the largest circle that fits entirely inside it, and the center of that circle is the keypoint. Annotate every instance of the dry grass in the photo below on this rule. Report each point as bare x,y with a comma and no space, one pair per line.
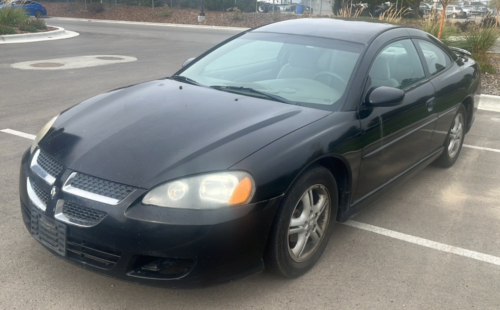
393,15
348,12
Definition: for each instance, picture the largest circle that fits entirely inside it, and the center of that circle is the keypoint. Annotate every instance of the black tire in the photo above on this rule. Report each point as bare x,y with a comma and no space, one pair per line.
262,8
38,14
280,256
454,15
451,152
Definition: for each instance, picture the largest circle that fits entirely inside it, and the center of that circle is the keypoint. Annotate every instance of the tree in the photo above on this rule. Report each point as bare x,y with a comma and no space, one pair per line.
415,5
496,4
443,16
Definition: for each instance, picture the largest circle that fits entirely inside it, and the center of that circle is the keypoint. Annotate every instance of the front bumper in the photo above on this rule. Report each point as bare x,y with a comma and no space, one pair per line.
154,245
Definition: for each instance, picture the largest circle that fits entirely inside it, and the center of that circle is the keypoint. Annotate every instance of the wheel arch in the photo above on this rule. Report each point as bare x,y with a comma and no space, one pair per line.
341,171
342,174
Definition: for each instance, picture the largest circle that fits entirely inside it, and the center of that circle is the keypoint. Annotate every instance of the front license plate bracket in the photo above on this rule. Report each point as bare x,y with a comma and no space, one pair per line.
48,232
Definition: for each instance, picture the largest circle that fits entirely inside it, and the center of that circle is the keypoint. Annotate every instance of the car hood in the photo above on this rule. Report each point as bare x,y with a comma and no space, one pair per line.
149,133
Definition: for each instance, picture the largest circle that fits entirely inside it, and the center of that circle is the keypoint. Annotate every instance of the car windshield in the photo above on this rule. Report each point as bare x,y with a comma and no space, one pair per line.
288,68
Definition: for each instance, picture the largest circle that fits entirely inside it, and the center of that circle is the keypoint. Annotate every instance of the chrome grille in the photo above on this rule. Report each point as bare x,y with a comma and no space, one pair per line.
42,194
101,187
50,165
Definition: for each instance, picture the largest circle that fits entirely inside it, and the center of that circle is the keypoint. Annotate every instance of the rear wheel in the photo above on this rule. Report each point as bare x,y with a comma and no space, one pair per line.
454,15
38,14
303,224
454,140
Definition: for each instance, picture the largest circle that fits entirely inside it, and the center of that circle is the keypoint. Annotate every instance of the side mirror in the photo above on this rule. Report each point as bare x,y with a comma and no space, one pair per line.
187,62
384,96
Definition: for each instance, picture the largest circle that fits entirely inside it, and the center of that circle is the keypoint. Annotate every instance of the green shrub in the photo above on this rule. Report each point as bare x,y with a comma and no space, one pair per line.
478,41
488,22
27,27
12,17
484,62
6,30
466,25
38,24
432,27
235,13
95,7
166,11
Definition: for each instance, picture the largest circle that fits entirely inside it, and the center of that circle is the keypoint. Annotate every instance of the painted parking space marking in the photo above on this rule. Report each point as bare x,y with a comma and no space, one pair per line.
426,243
481,148
18,133
73,62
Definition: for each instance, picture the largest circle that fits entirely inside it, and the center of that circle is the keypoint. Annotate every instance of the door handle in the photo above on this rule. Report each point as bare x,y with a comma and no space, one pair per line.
430,104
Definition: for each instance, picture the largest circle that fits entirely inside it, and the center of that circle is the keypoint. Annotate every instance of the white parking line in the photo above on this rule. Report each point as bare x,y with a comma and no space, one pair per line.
19,133
481,148
426,243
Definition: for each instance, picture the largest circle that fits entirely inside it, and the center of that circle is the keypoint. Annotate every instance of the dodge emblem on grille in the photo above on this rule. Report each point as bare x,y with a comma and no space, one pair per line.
53,192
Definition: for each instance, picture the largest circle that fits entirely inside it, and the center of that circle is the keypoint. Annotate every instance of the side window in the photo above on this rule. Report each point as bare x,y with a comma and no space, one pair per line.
397,65
435,57
251,53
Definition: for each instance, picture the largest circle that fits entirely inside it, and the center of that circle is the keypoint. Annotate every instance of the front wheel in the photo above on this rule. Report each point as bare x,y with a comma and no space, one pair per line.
454,140
303,224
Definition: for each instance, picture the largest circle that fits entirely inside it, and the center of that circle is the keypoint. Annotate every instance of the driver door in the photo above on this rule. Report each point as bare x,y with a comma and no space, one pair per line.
397,137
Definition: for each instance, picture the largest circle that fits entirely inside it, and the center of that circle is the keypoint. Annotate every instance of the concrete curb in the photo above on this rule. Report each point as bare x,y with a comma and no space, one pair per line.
490,103
58,34
148,24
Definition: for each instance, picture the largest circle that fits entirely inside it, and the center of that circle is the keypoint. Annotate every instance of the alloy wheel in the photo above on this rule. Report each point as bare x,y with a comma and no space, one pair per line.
309,222
456,135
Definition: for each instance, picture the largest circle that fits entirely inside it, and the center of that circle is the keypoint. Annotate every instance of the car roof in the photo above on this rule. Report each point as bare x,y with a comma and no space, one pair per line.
348,30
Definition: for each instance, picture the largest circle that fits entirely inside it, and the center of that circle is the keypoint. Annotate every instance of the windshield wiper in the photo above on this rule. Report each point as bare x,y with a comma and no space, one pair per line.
241,89
184,79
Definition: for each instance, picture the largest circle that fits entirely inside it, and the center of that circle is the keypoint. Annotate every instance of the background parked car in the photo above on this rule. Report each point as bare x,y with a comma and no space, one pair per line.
479,10
468,9
32,8
455,11
425,8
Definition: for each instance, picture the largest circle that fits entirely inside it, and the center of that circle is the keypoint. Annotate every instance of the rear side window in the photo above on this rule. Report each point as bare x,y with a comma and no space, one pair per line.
436,59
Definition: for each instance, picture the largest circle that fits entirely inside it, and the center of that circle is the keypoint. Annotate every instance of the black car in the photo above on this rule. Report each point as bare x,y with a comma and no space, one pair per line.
247,156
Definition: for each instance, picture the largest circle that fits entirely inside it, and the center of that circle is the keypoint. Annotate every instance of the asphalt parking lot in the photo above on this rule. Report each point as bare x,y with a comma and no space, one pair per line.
434,243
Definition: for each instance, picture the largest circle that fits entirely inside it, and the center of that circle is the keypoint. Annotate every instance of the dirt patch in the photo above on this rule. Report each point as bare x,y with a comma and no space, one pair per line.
177,15
39,30
490,82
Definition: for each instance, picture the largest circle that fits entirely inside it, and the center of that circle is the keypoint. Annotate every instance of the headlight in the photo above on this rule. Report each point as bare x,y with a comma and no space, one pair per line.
42,132
209,191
